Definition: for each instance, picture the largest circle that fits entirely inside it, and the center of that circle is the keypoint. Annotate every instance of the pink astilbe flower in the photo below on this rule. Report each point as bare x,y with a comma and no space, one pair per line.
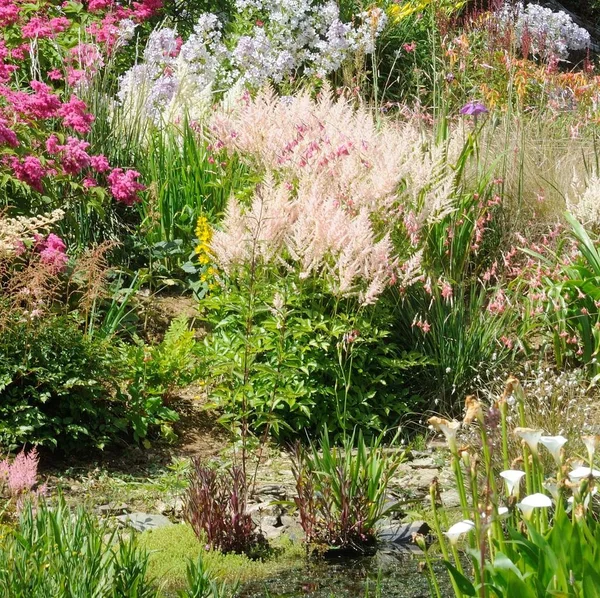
20,476
96,5
74,114
124,186
53,253
74,155
313,234
41,104
39,27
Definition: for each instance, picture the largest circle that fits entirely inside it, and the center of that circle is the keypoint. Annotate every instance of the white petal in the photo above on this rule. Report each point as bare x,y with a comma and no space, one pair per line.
583,472
536,500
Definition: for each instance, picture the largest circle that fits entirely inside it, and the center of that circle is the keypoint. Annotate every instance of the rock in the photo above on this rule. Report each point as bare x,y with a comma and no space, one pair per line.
420,478
174,506
423,463
271,532
272,490
112,508
144,521
450,498
402,533
270,521
288,521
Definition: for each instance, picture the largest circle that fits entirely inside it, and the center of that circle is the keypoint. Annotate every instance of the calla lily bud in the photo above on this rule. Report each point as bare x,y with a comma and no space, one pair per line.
448,428
591,441
473,410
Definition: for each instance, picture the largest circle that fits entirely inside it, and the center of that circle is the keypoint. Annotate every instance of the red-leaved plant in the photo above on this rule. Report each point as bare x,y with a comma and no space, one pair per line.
216,509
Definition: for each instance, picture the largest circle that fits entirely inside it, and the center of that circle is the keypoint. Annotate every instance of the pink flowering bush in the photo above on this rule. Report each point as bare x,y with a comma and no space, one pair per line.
44,120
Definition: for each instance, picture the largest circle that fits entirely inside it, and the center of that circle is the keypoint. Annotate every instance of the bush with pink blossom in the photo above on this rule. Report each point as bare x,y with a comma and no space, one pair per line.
50,54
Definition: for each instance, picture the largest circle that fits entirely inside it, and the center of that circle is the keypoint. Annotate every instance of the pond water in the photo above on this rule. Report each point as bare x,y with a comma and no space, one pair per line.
399,577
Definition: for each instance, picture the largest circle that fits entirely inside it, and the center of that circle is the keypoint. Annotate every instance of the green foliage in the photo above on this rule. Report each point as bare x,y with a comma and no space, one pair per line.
571,297
188,177
65,389
290,357
562,562
58,386
201,585
538,546
155,373
342,492
54,552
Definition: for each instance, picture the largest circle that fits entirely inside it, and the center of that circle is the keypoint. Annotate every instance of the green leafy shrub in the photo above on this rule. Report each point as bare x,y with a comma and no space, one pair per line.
63,388
294,358
155,372
59,388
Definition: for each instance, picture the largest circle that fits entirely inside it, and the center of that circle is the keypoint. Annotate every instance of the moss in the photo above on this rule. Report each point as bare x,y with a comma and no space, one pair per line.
171,547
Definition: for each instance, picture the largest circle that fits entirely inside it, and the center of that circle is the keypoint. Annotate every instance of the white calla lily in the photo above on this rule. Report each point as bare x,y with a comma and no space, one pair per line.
531,437
503,512
591,442
579,473
586,500
448,428
553,488
512,477
554,446
459,529
532,502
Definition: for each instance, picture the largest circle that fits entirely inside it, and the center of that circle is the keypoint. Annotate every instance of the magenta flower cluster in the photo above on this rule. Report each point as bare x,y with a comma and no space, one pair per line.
33,149
53,253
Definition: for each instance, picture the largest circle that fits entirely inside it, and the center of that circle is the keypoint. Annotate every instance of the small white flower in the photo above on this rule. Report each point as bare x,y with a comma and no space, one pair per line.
458,530
532,502
554,445
503,512
512,477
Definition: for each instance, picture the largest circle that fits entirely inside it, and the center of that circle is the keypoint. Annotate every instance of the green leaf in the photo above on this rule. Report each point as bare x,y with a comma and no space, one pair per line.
463,584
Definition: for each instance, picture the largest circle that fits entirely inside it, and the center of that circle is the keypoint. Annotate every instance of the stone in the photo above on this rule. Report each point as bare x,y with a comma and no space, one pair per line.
112,508
144,521
450,498
420,478
423,463
402,533
271,490
288,521
271,532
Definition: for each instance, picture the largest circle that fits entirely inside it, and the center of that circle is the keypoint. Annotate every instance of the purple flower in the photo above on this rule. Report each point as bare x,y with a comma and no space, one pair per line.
473,108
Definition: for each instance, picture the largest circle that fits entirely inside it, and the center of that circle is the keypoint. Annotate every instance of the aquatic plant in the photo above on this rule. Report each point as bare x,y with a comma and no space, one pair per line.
342,492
